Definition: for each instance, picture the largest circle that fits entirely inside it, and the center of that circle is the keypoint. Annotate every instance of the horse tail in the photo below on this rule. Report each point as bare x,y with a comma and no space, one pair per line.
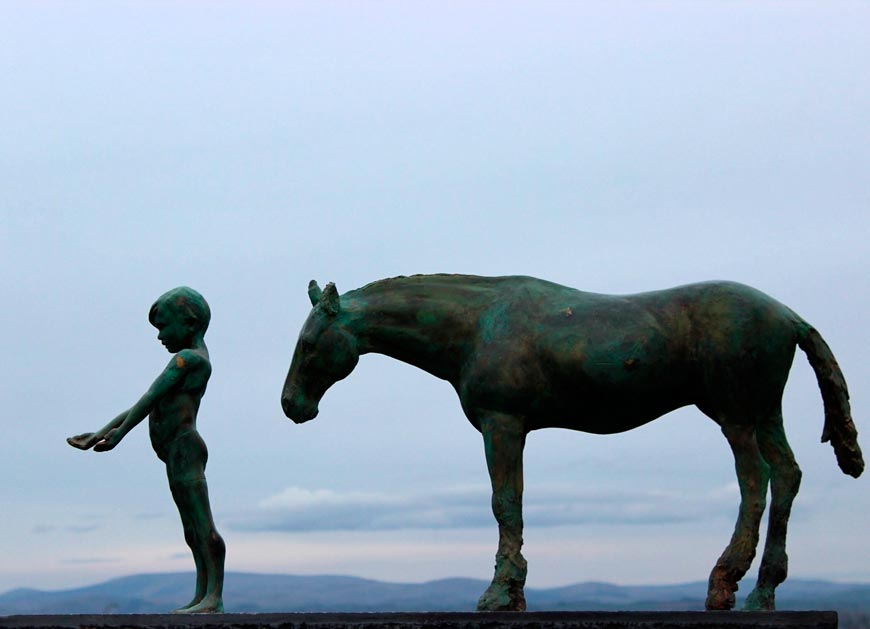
839,428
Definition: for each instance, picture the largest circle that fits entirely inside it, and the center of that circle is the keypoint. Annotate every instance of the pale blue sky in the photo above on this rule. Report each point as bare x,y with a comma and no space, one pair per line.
243,148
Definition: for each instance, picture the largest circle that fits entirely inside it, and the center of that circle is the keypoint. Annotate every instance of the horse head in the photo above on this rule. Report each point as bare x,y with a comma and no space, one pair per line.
326,352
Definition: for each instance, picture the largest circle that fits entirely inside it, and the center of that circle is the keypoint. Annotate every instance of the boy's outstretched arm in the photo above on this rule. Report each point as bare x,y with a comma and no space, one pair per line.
165,383
87,440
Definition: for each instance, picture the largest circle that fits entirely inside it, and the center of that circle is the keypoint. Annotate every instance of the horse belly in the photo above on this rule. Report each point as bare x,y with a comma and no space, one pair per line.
608,410
610,397
615,370
602,390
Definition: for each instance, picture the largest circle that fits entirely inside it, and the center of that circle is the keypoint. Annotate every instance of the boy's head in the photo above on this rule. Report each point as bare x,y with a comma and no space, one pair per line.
181,315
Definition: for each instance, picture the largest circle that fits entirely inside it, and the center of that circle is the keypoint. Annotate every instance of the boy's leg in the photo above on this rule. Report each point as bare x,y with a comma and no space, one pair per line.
211,547
185,467
181,498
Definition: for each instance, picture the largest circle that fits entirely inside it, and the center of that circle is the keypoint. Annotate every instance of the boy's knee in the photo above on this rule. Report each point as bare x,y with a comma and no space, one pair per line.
180,476
190,535
217,544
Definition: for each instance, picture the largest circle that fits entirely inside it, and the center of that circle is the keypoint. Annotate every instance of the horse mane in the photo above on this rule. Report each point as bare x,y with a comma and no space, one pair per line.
436,278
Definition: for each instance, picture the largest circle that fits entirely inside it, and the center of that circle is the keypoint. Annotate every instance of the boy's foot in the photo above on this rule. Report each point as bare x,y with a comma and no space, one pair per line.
208,605
84,441
184,608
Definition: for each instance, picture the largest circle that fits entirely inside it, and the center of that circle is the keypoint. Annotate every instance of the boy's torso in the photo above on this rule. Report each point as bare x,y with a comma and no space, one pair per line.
175,414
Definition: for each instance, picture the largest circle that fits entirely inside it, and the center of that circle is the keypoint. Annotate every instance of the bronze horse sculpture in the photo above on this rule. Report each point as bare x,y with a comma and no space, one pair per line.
524,354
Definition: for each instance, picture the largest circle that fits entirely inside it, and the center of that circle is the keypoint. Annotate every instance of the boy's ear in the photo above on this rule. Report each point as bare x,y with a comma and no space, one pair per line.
314,292
329,300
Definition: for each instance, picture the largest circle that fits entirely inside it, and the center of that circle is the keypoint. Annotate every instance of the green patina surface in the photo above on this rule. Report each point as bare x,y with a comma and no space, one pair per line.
524,354
171,404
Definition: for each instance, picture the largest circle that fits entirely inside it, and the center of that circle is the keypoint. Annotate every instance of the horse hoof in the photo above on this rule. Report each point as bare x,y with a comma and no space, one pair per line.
498,598
759,600
719,600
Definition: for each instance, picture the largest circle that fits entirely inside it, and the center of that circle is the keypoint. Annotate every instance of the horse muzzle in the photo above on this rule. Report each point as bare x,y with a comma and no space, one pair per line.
298,412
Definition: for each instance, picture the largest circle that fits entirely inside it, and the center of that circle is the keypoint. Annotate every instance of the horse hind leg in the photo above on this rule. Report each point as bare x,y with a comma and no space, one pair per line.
752,476
785,481
504,437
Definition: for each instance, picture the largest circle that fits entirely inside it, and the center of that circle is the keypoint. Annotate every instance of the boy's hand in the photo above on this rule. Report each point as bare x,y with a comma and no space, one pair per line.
109,441
84,441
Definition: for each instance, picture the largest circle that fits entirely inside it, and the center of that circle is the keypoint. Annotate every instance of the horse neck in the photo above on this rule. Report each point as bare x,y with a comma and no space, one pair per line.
432,329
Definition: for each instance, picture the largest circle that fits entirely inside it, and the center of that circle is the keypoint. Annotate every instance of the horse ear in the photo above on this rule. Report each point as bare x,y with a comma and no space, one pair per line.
314,292
329,300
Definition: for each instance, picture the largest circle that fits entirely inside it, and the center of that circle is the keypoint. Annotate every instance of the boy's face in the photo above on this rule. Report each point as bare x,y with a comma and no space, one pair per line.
174,331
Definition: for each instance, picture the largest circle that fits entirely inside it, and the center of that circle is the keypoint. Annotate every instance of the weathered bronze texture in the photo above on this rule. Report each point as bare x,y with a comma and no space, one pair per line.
171,404
524,354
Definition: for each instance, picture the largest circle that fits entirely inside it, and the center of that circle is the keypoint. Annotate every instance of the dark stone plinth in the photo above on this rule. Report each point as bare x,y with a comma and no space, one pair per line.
447,620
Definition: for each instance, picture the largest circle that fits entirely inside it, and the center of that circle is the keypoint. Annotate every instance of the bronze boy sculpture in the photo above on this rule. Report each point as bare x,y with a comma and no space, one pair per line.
172,403
524,354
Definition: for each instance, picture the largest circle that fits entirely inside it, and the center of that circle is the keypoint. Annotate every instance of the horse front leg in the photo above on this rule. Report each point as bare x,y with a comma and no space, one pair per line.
504,437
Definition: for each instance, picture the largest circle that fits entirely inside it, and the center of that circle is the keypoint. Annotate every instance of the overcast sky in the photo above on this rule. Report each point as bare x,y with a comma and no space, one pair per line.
244,148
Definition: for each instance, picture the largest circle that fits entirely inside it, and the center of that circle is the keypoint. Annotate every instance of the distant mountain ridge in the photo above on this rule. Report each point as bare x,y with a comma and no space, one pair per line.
245,592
